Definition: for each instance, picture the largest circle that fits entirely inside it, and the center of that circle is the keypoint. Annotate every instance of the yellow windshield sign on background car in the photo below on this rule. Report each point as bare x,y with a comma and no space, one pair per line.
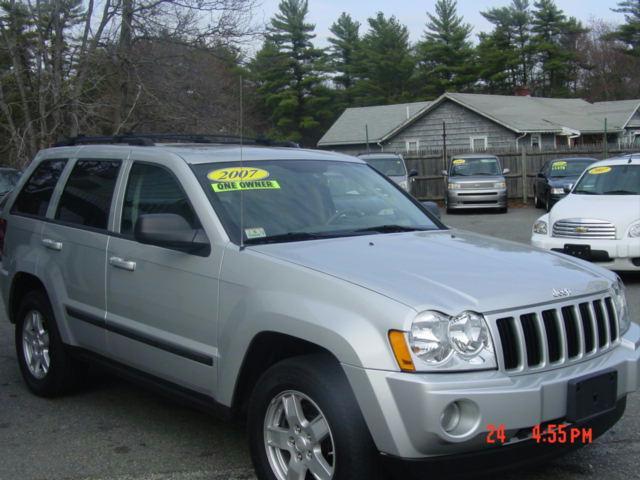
459,161
232,174
559,166
599,170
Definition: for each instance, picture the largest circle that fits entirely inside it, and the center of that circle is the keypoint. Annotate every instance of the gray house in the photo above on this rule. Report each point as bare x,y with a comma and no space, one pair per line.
483,122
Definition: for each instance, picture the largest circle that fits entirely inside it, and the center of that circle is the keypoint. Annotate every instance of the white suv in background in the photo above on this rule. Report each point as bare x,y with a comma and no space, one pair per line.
599,220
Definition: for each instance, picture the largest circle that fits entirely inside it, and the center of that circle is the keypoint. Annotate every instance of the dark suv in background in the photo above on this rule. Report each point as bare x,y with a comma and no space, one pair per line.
554,177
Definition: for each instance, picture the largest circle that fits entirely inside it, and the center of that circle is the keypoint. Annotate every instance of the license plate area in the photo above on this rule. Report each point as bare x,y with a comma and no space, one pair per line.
591,395
578,251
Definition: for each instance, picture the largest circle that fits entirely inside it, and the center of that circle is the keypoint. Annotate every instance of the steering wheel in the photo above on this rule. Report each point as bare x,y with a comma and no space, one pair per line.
346,213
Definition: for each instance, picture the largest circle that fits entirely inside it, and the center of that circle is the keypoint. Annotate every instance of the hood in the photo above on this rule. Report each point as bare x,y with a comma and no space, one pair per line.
562,181
621,210
450,271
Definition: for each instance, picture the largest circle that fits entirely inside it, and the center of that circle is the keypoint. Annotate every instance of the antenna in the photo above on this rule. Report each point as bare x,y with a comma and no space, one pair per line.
241,165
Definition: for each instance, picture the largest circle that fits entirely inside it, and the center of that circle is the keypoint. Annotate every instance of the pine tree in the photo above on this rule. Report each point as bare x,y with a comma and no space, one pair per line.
288,73
445,53
629,32
514,25
344,46
550,27
385,63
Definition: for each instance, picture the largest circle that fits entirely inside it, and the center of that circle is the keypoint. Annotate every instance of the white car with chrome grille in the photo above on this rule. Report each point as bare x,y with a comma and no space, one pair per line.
599,220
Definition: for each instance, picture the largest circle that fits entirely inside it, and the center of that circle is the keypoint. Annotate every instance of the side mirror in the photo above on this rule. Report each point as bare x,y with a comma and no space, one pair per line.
169,230
506,171
540,175
444,172
432,207
567,188
413,173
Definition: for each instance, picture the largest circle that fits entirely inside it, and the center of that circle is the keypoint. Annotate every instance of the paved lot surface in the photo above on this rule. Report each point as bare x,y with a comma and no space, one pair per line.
116,431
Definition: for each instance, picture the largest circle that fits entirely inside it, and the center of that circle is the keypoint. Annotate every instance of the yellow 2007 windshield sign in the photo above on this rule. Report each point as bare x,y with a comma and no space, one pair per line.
599,170
232,174
245,185
233,179
459,161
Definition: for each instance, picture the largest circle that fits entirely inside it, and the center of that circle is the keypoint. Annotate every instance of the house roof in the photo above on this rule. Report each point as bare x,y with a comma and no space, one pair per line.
350,127
565,116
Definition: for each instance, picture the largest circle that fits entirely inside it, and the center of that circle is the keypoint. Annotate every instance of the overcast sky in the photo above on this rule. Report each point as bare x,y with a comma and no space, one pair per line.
412,13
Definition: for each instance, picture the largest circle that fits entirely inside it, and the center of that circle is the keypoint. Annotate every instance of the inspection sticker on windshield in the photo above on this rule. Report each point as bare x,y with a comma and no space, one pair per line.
248,185
459,161
257,232
232,174
599,170
559,166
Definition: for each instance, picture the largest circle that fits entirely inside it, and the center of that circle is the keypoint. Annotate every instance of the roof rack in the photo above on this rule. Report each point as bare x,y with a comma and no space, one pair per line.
151,139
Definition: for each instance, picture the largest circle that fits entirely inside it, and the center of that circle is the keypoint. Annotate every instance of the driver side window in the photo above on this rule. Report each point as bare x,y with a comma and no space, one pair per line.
153,189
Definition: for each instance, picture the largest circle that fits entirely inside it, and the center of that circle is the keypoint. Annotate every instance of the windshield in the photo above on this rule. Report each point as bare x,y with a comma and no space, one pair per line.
573,168
292,200
8,180
610,180
466,167
390,166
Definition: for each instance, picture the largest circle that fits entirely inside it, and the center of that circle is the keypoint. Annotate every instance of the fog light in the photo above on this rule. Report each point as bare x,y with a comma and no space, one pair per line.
460,419
451,417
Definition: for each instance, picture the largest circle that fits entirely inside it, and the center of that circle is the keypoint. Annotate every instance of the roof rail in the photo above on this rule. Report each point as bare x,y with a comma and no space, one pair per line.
151,139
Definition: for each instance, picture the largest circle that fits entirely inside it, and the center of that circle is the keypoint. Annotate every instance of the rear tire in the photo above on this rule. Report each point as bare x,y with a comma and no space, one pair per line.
46,367
289,404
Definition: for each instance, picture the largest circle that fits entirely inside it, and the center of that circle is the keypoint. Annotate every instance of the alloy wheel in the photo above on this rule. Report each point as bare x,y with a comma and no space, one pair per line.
298,439
35,344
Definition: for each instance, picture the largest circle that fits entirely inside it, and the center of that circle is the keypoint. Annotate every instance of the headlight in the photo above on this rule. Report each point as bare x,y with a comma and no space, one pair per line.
557,191
634,231
540,227
463,342
620,303
500,185
404,184
453,186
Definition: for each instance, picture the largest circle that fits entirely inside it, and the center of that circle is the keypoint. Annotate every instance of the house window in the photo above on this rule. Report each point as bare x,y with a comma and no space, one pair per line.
479,144
413,146
536,140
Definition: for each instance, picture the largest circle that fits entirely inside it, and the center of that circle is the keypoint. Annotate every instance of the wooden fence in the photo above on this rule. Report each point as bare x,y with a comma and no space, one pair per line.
524,165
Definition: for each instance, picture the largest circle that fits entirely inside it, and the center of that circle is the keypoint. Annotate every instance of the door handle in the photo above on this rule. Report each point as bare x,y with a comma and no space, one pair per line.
52,244
123,264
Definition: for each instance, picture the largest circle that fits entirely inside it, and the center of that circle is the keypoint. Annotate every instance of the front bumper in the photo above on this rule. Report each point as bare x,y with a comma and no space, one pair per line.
492,460
619,255
468,198
404,411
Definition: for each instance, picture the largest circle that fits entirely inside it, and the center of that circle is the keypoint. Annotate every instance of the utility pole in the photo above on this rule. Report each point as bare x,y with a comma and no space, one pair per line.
366,135
444,145
605,140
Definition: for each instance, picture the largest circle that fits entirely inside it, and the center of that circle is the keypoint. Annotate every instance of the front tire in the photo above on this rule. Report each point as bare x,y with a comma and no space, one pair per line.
304,423
46,367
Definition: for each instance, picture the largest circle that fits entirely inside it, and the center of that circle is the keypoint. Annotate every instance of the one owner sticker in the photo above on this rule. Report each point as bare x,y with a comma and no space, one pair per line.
459,161
249,185
233,174
599,170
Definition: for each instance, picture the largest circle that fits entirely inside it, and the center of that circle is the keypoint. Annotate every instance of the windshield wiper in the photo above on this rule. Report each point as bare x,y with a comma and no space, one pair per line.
620,192
285,237
585,192
389,229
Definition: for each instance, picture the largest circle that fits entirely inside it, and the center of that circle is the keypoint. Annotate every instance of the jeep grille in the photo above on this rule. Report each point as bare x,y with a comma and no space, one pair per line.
548,337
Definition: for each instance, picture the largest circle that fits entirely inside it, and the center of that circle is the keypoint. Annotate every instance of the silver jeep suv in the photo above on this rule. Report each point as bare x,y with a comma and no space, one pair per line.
306,293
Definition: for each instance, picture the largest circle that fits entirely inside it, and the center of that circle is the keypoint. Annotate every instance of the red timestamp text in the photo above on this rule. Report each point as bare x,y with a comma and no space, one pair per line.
550,433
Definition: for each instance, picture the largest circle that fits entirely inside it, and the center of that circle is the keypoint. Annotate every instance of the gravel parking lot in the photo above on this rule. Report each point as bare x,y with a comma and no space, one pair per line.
114,430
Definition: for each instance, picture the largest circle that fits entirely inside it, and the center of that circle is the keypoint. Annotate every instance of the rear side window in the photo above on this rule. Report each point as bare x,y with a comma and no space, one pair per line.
86,198
153,189
35,196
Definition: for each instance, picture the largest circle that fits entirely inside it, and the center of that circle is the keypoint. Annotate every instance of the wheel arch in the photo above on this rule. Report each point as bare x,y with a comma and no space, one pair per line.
265,350
21,284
